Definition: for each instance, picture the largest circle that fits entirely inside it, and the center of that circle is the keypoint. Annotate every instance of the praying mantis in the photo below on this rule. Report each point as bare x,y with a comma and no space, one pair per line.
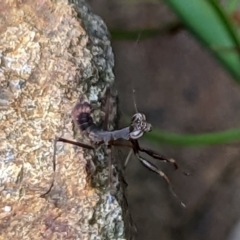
81,115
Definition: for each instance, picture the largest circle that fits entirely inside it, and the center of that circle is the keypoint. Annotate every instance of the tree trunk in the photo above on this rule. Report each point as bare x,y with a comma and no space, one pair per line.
52,53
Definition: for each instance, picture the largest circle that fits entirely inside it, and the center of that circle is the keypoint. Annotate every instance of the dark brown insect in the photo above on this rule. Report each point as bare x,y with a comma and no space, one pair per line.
81,115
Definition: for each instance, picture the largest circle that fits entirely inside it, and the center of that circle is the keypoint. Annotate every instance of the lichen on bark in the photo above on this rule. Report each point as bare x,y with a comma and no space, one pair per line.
53,52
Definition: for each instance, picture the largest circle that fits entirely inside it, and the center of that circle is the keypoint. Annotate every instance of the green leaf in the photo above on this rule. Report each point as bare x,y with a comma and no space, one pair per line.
159,136
208,21
123,34
231,5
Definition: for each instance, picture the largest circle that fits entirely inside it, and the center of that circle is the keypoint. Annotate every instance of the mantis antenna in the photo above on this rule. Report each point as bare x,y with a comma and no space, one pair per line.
134,99
133,89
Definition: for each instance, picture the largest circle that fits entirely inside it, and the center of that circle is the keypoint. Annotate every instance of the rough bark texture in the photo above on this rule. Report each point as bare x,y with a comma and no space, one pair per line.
51,54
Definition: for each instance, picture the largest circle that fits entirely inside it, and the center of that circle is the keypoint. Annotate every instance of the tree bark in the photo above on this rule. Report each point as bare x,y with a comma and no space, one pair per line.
52,53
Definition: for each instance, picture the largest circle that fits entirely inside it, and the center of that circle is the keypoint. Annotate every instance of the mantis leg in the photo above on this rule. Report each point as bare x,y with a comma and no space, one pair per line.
79,144
54,171
153,168
136,147
110,170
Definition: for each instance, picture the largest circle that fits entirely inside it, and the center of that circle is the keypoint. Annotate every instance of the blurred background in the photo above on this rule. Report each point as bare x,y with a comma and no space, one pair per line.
164,49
